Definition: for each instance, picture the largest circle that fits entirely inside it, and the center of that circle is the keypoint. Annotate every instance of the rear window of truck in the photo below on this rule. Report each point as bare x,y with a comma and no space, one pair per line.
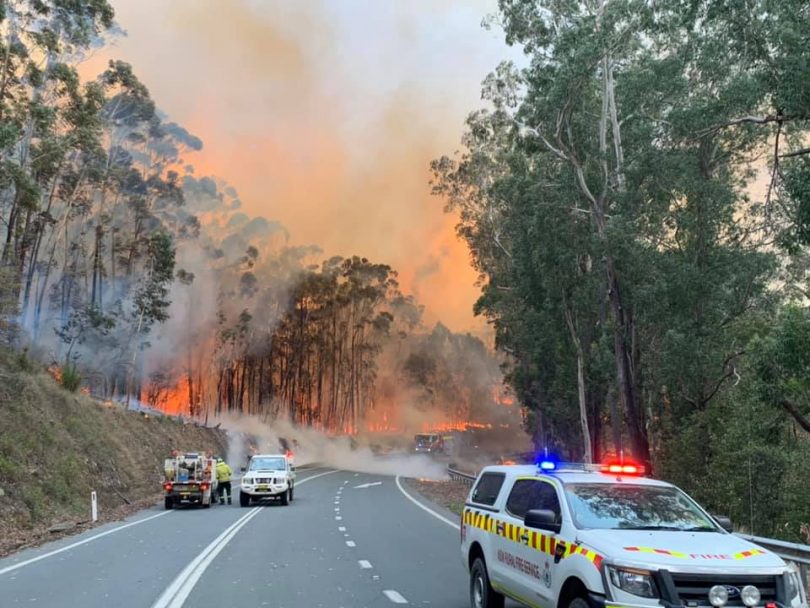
487,489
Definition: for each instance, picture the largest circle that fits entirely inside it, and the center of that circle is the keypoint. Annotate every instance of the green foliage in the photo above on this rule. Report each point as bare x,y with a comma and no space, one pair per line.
605,196
71,378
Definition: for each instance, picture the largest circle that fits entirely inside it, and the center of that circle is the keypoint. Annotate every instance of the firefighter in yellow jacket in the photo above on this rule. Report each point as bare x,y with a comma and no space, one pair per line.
224,473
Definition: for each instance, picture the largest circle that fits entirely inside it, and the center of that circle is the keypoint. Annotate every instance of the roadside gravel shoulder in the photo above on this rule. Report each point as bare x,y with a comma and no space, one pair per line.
449,494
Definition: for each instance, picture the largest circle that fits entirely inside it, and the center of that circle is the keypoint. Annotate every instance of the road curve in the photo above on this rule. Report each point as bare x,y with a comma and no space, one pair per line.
348,540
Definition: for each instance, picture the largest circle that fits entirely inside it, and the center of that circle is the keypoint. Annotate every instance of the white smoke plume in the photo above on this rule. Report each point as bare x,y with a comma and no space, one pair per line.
248,433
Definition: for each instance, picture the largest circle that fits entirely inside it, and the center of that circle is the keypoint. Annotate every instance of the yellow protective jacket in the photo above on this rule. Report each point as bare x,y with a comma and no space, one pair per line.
224,472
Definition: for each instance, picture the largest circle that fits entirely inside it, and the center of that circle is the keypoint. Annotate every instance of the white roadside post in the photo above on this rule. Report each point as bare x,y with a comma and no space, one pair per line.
93,506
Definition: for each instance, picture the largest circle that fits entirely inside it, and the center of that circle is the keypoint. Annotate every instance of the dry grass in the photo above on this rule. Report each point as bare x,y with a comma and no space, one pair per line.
449,494
56,447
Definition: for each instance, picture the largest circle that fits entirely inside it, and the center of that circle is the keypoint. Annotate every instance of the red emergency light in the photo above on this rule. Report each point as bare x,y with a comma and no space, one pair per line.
623,468
204,486
290,454
167,486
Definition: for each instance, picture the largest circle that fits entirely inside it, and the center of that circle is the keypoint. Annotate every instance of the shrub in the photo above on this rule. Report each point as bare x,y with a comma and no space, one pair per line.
71,378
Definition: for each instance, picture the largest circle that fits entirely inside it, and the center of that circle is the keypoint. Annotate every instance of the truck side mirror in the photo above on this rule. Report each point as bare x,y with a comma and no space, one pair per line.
243,469
724,522
542,519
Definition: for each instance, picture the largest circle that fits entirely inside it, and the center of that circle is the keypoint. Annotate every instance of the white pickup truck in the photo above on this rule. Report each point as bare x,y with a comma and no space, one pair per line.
267,476
583,536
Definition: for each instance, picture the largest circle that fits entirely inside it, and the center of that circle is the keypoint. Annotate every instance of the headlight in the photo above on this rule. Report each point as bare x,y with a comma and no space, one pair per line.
794,584
637,582
718,596
750,596
247,482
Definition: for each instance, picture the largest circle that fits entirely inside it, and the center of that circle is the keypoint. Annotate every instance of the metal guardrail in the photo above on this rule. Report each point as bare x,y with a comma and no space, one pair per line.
457,475
790,552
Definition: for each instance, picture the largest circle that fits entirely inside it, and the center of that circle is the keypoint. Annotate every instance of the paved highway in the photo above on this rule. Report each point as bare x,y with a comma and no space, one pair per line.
337,545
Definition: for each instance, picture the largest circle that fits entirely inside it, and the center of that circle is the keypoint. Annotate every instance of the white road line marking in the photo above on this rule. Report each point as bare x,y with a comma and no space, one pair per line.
176,593
350,543
181,587
337,509
79,543
345,482
364,563
338,517
424,508
368,485
395,596
341,528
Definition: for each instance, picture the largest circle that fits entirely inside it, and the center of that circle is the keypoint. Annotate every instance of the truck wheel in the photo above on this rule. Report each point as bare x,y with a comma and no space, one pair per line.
292,489
482,595
168,503
244,500
285,498
578,602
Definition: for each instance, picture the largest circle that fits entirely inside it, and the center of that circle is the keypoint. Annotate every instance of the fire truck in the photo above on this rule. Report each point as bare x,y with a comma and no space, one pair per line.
189,478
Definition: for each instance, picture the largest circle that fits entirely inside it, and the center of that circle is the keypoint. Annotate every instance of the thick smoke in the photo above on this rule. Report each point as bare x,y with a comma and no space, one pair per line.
251,435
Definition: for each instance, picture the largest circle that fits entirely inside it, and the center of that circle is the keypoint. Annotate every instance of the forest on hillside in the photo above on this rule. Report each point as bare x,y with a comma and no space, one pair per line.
636,197
138,280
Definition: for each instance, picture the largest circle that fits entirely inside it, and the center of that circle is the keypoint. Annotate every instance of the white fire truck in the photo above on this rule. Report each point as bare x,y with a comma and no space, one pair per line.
189,478
556,535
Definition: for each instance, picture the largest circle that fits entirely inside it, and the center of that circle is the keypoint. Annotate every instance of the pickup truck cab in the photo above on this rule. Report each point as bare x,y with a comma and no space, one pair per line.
268,476
584,536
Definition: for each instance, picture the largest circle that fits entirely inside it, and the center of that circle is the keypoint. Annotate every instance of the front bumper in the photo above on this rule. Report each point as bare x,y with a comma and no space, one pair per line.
265,490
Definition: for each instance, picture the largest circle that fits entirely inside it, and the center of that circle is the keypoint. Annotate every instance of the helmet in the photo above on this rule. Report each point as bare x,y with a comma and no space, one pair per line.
219,459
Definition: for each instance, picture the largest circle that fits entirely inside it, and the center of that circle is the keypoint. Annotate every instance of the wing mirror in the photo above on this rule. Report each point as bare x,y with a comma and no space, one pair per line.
242,469
724,522
542,519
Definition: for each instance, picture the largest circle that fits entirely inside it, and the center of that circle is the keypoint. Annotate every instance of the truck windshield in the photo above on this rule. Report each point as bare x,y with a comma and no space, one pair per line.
634,507
268,464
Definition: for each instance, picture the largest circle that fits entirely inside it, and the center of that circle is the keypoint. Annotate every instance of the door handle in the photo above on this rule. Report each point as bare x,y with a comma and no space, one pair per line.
524,538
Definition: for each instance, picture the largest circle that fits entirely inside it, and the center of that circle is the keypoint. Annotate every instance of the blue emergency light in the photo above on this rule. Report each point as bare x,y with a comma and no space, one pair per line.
547,465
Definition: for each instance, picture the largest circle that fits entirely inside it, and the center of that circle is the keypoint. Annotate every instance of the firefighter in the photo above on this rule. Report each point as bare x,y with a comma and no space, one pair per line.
224,473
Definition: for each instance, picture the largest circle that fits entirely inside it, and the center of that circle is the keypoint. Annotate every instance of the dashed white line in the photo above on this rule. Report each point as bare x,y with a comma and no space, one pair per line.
395,597
424,508
341,528
338,518
350,543
364,563
79,543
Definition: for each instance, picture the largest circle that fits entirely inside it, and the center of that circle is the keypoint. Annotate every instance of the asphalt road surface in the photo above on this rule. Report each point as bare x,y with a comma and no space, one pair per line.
336,545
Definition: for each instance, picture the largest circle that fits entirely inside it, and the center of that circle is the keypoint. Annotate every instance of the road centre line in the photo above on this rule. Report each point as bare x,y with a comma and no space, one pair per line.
395,596
350,543
79,543
181,587
423,507
341,528
364,564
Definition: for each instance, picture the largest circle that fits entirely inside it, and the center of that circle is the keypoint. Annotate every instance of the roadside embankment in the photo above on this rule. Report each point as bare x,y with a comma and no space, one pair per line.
449,494
57,447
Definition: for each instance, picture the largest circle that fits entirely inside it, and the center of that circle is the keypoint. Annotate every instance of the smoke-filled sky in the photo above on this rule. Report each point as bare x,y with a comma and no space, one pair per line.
325,114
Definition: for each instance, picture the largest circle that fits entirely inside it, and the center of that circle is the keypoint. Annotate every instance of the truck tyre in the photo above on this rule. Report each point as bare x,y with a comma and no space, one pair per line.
244,500
482,595
292,489
168,503
578,602
285,498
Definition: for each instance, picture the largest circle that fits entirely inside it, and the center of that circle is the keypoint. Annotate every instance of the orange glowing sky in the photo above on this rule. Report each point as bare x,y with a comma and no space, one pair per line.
325,115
